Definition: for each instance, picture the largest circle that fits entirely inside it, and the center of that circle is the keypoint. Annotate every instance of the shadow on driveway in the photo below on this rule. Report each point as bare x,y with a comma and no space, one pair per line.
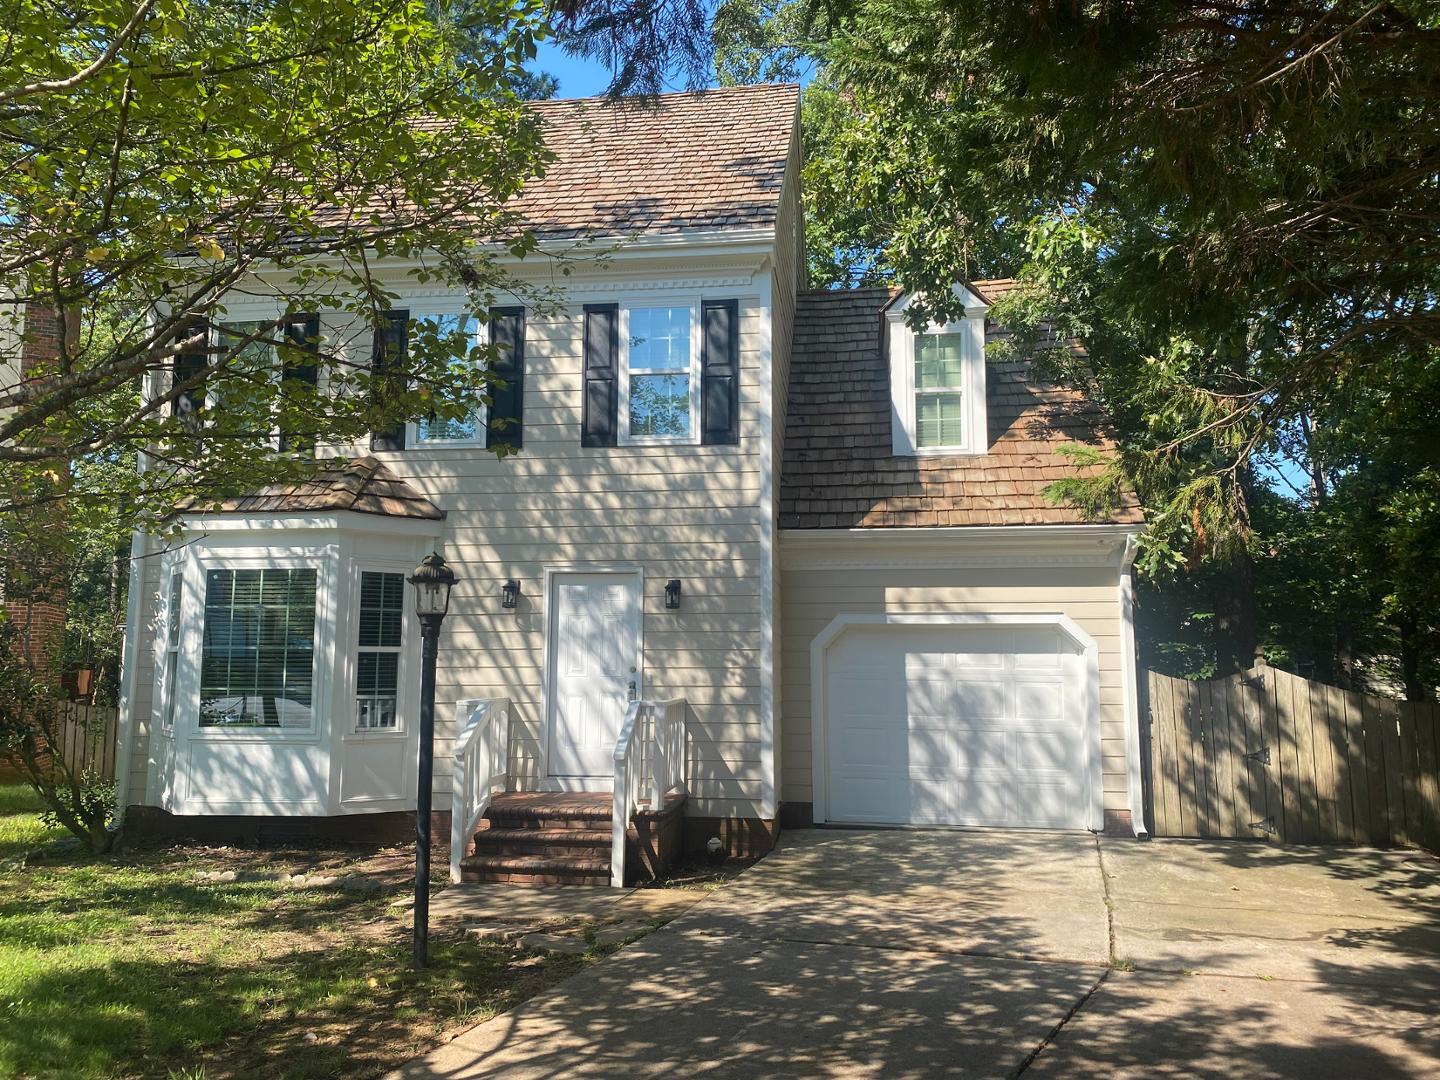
904,954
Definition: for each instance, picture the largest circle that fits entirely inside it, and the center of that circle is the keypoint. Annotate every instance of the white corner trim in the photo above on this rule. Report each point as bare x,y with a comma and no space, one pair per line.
1129,675
842,623
125,732
769,794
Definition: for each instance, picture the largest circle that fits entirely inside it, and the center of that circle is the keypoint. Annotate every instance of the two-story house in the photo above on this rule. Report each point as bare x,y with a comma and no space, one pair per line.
764,554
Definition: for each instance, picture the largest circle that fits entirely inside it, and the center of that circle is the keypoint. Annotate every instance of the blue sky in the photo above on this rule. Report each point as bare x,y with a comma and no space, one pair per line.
578,78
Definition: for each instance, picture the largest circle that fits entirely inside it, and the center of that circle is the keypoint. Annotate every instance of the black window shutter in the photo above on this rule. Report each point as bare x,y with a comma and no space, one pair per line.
186,366
720,373
389,352
503,421
301,365
602,357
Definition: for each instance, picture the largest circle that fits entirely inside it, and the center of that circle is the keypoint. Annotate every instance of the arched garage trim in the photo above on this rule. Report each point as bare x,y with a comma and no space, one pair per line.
1089,690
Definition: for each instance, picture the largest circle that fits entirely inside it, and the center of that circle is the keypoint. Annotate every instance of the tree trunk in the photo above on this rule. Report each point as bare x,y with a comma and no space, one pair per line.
1237,636
1406,623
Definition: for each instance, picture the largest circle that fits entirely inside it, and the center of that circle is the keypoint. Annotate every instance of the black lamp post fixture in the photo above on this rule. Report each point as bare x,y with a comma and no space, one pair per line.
672,594
510,595
433,580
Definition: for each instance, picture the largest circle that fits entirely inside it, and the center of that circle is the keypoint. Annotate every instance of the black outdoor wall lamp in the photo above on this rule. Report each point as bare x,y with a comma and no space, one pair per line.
672,594
510,595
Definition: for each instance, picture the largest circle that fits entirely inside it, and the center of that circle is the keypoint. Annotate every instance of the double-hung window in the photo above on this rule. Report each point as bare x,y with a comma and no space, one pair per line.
458,335
377,664
659,373
939,390
937,382
257,655
261,353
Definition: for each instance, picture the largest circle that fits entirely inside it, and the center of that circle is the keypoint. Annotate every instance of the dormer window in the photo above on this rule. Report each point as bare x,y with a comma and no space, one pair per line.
937,382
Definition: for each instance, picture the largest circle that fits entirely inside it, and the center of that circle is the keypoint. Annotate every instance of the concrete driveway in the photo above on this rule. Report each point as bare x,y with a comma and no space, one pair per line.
915,954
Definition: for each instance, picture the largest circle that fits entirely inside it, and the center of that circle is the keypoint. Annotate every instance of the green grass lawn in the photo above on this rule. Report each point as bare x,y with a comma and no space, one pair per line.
131,967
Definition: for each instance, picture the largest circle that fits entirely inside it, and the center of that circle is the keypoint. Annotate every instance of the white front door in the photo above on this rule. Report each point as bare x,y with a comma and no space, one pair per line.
595,656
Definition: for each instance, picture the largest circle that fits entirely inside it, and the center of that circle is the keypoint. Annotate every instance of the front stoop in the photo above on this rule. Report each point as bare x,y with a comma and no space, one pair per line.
563,838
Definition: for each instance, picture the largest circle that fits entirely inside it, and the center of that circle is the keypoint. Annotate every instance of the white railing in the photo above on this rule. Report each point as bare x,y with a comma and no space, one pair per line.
482,748
649,765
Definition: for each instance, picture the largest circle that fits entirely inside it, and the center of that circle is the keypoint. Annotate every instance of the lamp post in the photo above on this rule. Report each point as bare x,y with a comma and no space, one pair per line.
433,580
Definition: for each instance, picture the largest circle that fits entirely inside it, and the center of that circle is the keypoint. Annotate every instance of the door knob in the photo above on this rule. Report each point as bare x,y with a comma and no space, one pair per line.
632,689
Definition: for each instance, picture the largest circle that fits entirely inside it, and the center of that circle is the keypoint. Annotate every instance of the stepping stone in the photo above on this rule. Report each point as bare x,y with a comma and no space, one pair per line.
502,934
563,946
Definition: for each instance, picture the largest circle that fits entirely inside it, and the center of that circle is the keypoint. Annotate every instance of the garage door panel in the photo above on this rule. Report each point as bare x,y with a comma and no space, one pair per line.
1037,751
945,726
877,692
1039,701
870,797
931,745
978,750
869,748
929,696
979,700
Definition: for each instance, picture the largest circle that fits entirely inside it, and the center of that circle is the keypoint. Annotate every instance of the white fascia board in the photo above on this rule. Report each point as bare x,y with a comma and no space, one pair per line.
690,243
973,304
347,520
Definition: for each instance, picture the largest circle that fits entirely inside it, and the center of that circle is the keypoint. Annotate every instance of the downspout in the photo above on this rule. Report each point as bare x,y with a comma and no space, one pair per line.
1130,679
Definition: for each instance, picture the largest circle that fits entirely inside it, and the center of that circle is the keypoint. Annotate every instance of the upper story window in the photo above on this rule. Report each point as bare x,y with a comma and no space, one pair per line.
937,382
659,373
458,333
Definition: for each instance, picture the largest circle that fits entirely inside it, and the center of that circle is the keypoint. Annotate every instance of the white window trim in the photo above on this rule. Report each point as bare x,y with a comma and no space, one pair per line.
323,634
901,342
409,637
421,309
624,438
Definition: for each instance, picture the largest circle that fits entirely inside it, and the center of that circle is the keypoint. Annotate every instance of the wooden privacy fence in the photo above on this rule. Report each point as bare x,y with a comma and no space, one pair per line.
87,737
1269,754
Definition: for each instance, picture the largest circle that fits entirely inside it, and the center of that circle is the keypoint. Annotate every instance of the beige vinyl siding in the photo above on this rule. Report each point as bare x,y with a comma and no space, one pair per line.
811,598
691,512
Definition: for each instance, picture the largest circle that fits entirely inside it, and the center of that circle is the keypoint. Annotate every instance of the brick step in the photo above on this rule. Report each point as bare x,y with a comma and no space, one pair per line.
549,810
536,869
536,841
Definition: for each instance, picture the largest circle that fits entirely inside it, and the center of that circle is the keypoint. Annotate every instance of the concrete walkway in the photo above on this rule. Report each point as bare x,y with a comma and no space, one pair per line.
920,954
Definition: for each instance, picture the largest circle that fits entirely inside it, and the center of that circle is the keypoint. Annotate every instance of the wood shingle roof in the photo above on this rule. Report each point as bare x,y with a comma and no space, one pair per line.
361,486
708,159
839,468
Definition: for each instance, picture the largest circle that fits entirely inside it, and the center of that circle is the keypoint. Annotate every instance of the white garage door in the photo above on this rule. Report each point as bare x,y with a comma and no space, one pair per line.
952,725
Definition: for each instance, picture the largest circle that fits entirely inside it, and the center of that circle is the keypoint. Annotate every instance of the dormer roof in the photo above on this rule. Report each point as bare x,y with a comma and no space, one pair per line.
840,469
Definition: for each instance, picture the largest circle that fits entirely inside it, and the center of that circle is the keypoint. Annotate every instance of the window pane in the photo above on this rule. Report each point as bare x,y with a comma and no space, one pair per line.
458,334
938,419
937,361
659,405
382,607
257,650
659,338
172,628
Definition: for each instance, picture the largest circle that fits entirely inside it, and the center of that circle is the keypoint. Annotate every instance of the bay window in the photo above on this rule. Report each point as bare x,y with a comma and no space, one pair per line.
381,617
257,656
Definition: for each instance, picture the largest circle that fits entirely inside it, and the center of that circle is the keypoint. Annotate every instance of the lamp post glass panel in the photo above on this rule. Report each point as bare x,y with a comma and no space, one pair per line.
433,580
